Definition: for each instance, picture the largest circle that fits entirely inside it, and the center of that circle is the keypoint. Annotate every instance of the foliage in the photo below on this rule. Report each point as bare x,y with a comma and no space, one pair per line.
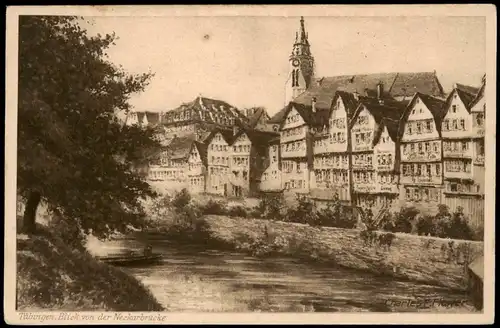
404,218
303,212
181,199
53,276
73,151
444,224
271,207
71,234
336,215
214,207
425,225
238,211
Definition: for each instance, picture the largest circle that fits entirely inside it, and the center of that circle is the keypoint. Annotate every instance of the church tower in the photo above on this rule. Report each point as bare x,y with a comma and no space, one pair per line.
301,72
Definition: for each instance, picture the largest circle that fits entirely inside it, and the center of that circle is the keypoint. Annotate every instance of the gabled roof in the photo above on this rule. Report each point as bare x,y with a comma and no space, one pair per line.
180,147
202,150
480,93
467,88
257,137
392,129
394,85
436,107
387,113
350,102
207,106
226,134
256,116
465,96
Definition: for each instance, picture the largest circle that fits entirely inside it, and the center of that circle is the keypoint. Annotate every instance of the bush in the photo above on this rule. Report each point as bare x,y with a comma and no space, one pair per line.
336,215
238,211
214,207
270,207
303,212
426,226
404,218
181,199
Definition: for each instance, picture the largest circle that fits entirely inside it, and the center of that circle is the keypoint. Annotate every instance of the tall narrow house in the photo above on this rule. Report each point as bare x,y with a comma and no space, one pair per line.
463,181
374,135
421,152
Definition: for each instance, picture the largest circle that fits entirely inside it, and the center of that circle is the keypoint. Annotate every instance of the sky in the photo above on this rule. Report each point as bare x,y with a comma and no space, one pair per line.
244,60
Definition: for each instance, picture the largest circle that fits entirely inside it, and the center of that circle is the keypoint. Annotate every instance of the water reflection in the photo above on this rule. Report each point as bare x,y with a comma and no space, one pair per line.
193,279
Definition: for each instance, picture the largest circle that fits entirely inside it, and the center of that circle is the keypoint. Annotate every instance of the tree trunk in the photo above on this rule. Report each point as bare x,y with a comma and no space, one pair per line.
30,212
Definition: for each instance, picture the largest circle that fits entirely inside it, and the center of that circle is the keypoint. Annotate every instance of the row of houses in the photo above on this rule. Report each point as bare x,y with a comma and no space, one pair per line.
375,140
375,150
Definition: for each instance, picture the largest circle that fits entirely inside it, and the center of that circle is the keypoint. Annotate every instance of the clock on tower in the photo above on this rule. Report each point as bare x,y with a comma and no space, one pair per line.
295,63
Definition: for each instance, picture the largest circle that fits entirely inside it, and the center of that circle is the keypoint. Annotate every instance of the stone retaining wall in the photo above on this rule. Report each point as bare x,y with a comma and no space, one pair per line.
428,260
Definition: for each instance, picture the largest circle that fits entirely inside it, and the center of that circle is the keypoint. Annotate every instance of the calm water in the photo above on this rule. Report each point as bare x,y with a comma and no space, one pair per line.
194,279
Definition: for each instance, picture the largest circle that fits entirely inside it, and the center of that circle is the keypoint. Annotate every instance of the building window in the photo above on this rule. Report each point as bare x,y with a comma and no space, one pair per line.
454,108
480,119
462,124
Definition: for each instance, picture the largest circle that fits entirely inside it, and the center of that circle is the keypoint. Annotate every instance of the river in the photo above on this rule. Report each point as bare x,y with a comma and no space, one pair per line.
191,278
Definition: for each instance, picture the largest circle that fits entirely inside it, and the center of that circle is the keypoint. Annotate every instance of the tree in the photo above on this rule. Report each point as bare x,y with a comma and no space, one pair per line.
73,151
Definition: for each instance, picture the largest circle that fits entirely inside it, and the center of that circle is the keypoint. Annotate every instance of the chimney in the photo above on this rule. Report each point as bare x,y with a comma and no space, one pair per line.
380,90
235,130
356,95
455,86
313,105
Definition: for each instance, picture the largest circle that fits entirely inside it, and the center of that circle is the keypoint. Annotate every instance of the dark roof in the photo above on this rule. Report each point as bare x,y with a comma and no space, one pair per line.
226,134
279,116
154,153
480,93
180,147
394,85
274,140
255,117
436,107
466,93
202,149
467,88
258,137
349,100
209,107
392,129
386,114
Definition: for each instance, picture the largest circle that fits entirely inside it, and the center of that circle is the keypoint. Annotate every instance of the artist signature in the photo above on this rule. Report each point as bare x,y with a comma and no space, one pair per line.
426,303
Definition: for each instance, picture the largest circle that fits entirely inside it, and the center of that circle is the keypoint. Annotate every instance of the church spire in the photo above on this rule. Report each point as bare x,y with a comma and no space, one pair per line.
301,61
301,44
303,34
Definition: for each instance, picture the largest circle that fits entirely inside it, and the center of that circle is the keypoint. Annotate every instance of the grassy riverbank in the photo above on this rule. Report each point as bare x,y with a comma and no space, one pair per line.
53,276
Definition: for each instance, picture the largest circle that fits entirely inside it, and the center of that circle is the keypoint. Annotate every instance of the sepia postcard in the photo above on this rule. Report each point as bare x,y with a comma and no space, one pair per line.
250,164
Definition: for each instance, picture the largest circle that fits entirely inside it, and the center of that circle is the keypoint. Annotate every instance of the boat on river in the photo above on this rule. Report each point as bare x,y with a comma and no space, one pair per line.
132,258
